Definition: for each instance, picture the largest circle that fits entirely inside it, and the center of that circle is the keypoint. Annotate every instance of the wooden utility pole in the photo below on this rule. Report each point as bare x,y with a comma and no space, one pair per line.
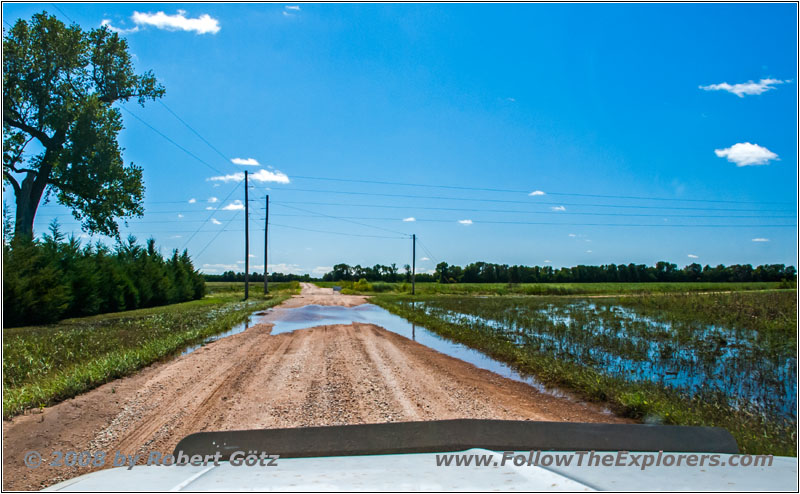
413,263
246,240
266,243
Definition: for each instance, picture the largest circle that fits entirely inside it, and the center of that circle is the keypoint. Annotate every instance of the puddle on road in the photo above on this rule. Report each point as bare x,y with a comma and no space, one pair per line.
288,320
242,326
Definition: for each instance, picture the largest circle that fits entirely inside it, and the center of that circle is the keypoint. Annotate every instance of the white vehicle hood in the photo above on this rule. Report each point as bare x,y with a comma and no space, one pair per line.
418,472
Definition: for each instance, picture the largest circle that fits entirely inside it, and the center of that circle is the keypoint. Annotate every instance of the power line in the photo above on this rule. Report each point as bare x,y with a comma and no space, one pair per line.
335,233
62,13
488,189
506,201
217,235
557,213
427,251
519,191
171,141
212,214
194,131
344,219
434,208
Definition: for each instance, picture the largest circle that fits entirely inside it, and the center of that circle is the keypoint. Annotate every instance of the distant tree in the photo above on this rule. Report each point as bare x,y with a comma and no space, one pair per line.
59,85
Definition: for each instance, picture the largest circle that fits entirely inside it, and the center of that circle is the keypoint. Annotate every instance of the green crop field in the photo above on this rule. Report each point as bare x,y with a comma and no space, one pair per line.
363,287
46,364
724,359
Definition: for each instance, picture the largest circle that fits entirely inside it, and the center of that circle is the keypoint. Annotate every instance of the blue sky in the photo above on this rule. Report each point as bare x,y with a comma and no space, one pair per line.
590,104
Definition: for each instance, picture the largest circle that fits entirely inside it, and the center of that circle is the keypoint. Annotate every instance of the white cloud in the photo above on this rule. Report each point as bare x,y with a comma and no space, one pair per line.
216,221
321,269
558,208
210,208
745,88
746,154
192,200
259,176
178,22
245,161
588,252
292,7
180,215
212,200
410,218
284,268
760,240
465,222
537,193
548,261
236,205
572,235
118,30
424,259
220,267
692,256
176,236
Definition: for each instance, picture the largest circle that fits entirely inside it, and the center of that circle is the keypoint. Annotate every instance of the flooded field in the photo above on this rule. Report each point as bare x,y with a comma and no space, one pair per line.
738,363
721,359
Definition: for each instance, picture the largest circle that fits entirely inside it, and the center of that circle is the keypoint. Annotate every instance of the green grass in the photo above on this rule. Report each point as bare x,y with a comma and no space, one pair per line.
561,353
256,287
545,288
46,364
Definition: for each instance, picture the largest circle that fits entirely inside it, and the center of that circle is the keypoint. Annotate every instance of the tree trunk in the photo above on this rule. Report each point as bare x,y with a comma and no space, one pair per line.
29,196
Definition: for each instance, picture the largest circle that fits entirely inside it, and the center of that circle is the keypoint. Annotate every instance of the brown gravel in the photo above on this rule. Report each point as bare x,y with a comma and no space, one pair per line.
327,375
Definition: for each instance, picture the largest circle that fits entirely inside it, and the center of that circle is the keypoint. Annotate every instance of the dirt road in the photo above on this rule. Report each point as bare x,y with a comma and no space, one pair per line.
327,375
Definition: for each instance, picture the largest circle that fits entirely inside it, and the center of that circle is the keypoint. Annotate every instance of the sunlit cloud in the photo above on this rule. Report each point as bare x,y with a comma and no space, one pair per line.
571,235
245,161
558,208
203,24
290,10
745,88
410,218
259,176
537,193
236,205
321,270
692,256
119,30
746,154
192,200
212,200
216,221
284,268
219,267
465,222
210,208
424,259
180,215
760,240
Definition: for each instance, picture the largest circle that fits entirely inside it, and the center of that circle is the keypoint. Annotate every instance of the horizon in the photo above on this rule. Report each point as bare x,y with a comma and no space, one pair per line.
525,134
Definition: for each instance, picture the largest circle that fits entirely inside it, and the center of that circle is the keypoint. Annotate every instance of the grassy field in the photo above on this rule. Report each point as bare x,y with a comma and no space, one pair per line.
45,364
724,359
548,288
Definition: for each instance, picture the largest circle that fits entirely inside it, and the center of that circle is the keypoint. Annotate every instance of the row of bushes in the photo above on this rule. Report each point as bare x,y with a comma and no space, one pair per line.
55,277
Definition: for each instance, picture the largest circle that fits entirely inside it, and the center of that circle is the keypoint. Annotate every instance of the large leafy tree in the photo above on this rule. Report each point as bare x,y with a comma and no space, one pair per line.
60,126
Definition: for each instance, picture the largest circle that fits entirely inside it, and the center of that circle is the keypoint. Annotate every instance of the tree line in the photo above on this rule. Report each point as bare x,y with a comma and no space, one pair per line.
257,277
484,272
56,277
